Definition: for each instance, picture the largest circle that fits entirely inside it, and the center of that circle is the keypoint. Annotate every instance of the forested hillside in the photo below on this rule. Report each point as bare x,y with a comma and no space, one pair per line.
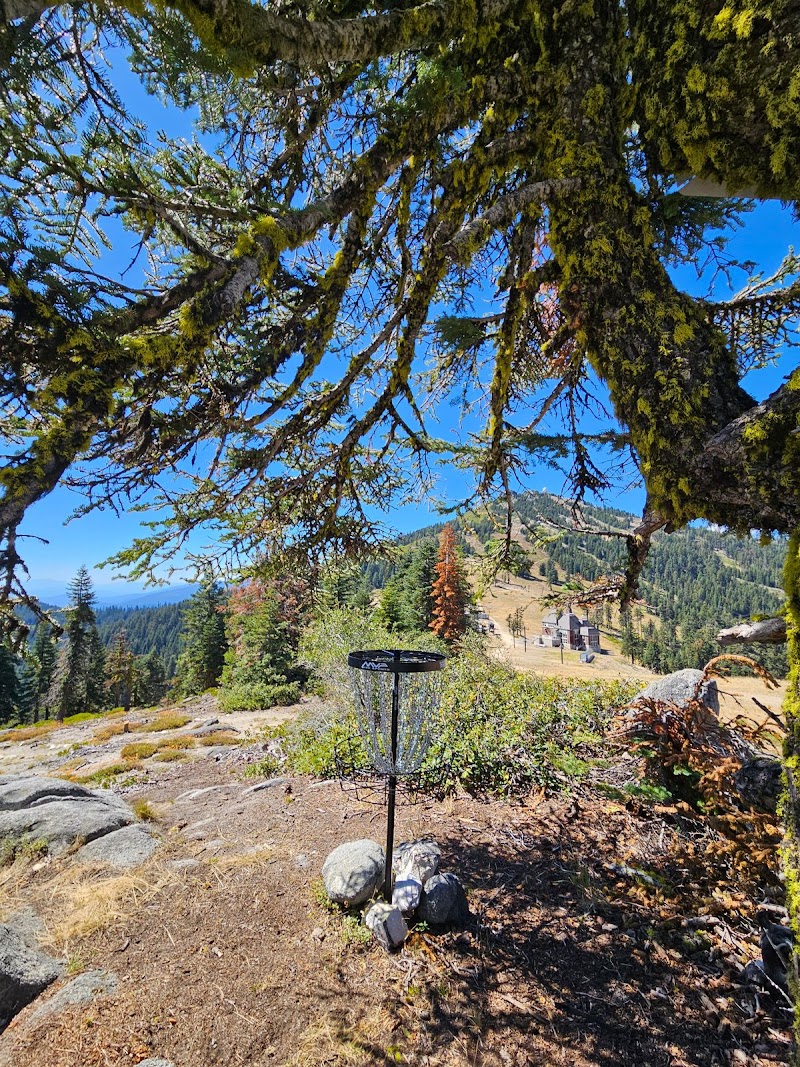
148,630
695,582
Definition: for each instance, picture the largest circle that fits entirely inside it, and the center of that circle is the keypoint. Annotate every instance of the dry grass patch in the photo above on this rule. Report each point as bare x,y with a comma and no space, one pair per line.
83,901
240,860
105,733
138,750
176,743
170,755
168,720
336,1041
27,733
219,738
103,774
144,810
21,858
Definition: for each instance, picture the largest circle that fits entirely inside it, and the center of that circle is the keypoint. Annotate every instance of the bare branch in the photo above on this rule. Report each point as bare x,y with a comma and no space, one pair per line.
764,632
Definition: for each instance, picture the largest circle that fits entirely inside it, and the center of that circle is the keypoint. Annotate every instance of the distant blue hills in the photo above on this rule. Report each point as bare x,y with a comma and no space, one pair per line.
50,591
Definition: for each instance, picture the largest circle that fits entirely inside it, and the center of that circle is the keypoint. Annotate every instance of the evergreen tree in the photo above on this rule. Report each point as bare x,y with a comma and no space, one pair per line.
44,655
26,690
9,685
342,585
119,672
149,679
77,683
450,590
407,598
203,639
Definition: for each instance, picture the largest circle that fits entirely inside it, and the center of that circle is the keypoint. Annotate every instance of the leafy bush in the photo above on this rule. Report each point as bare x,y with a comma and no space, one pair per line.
312,742
501,731
496,730
258,695
325,644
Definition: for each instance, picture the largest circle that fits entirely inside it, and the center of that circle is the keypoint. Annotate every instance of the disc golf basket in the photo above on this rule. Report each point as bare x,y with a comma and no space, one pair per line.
397,691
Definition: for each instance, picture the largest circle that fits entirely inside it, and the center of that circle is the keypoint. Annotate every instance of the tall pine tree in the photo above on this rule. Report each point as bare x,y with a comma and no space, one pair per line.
43,658
203,639
77,683
9,685
119,671
450,590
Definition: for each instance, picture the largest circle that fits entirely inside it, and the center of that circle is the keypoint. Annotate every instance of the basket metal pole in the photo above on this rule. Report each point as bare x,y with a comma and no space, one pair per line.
392,791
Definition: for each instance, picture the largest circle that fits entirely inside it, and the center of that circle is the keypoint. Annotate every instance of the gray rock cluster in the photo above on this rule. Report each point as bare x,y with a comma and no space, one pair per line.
353,872
59,814
37,808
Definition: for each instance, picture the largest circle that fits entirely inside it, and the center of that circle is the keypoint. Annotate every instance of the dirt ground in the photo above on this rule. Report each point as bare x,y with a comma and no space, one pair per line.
602,933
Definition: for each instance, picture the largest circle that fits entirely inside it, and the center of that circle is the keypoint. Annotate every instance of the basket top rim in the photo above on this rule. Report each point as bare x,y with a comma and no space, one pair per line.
396,660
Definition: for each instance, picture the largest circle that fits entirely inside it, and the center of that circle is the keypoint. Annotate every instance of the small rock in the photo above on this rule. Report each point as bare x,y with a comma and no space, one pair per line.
753,974
407,894
387,925
155,1063
353,871
24,972
416,859
195,794
127,847
213,728
302,861
443,900
184,864
270,782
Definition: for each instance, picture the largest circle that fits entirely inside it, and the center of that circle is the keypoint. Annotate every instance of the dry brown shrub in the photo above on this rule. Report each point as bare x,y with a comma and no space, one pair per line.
105,733
28,733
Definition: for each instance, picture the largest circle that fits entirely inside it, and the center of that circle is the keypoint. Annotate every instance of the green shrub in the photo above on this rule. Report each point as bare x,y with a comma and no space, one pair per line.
325,644
257,696
496,730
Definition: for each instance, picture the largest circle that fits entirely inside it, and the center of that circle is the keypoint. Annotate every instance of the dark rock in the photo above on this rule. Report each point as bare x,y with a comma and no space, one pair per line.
443,900
24,973
759,783
776,951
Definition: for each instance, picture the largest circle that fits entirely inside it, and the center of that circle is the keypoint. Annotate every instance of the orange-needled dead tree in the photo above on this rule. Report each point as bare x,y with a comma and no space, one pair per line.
450,590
